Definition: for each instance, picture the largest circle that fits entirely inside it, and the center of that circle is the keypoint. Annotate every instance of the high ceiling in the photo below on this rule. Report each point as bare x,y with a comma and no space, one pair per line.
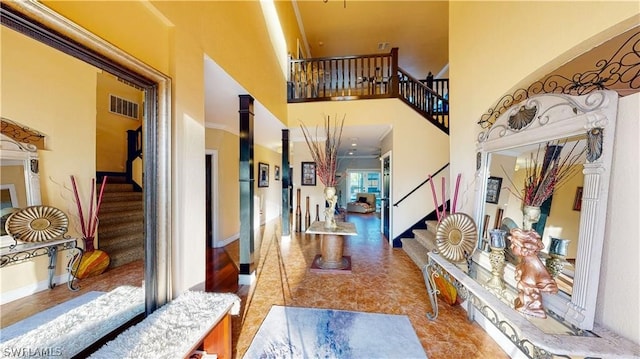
419,29
331,29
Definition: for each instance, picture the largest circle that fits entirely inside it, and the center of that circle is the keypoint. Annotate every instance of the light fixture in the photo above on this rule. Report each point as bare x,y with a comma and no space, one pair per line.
383,46
345,2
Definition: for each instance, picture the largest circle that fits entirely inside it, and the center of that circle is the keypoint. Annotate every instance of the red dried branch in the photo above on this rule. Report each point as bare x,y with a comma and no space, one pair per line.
325,156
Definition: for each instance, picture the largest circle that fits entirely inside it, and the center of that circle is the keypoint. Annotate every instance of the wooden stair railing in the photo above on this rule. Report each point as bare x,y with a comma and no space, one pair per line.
134,150
368,77
350,77
431,105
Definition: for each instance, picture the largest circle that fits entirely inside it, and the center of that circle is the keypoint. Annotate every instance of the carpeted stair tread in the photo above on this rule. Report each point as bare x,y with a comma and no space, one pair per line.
109,197
118,187
107,239
425,238
112,229
121,226
120,206
124,247
123,256
126,216
432,226
416,251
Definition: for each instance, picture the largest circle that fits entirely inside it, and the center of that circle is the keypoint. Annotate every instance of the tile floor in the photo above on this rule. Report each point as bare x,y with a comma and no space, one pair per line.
382,280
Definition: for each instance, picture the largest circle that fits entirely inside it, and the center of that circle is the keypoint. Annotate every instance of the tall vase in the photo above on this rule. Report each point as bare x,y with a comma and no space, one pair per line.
531,215
330,210
93,262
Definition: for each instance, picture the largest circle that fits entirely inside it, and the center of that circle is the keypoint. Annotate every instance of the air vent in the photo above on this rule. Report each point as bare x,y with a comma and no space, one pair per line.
123,107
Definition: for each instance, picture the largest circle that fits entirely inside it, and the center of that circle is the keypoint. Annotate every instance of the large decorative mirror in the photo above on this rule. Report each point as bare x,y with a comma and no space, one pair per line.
20,183
584,128
38,22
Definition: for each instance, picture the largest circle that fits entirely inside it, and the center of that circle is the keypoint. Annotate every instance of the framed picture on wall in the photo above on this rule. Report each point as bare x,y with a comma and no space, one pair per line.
308,174
577,201
493,189
276,173
263,174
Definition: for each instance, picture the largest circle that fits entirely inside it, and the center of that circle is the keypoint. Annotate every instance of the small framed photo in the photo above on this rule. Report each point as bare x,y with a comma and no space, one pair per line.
577,202
308,173
493,189
276,173
263,174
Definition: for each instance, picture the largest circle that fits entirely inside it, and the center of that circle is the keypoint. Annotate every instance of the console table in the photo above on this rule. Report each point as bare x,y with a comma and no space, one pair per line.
332,243
531,337
25,251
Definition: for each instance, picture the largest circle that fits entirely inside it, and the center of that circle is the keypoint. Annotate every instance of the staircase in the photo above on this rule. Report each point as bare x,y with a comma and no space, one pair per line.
423,243
121,225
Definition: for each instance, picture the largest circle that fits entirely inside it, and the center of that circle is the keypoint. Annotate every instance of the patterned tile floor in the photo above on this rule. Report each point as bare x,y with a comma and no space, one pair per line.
382,280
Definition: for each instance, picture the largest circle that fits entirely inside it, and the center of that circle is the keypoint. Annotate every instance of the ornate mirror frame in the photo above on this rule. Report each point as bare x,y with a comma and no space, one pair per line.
555,116
37,21
27,155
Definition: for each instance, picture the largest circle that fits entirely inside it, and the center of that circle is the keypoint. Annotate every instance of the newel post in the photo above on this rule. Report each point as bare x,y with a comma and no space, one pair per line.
393,80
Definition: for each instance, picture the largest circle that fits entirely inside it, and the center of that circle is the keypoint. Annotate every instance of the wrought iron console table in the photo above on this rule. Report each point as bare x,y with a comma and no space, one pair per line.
24,251
526,334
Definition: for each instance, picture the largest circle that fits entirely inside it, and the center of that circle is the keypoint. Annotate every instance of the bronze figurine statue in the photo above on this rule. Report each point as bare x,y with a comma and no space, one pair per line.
531,274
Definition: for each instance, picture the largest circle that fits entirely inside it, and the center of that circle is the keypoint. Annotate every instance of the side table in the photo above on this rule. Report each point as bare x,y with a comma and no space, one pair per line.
24,251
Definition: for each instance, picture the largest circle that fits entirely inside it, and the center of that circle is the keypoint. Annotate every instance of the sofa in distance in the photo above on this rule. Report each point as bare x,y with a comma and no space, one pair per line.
364,203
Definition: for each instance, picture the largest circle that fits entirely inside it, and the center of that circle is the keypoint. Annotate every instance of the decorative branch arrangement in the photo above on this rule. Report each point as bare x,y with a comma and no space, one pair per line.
90,226
443,214
325,157
541,179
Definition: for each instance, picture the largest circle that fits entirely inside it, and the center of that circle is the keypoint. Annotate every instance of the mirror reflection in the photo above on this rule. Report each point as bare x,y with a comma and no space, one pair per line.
560,212
86,122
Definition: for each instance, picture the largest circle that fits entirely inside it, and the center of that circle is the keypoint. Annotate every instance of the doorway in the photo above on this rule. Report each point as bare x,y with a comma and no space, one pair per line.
211,195
385,198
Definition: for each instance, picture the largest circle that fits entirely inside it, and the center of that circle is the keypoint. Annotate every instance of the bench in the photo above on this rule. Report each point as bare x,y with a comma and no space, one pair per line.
175,330
69,334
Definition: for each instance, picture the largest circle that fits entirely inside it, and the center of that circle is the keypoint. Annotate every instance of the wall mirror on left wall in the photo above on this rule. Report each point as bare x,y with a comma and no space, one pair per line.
51,52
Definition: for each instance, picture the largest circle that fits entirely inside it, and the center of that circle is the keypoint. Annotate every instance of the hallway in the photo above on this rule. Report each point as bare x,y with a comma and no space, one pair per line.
382,280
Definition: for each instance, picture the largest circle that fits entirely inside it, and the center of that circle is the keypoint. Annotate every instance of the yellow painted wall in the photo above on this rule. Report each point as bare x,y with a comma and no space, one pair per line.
227,145
268,199
55,94
496,47
111,128
173,37
410,162
289,26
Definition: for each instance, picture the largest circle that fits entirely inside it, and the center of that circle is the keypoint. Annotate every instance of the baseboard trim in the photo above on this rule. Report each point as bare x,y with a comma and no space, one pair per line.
31,289
226,241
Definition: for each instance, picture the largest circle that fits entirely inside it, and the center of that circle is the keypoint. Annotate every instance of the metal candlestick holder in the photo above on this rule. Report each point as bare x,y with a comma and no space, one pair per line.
557,256
496,257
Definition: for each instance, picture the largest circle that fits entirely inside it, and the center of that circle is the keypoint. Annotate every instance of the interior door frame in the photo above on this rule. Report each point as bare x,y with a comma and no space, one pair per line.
386,197
215,203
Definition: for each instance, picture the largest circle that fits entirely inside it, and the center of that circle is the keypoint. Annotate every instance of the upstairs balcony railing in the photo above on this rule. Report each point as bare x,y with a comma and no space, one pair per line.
367,77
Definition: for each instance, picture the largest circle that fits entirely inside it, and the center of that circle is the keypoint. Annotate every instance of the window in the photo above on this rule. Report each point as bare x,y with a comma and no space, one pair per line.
367,181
